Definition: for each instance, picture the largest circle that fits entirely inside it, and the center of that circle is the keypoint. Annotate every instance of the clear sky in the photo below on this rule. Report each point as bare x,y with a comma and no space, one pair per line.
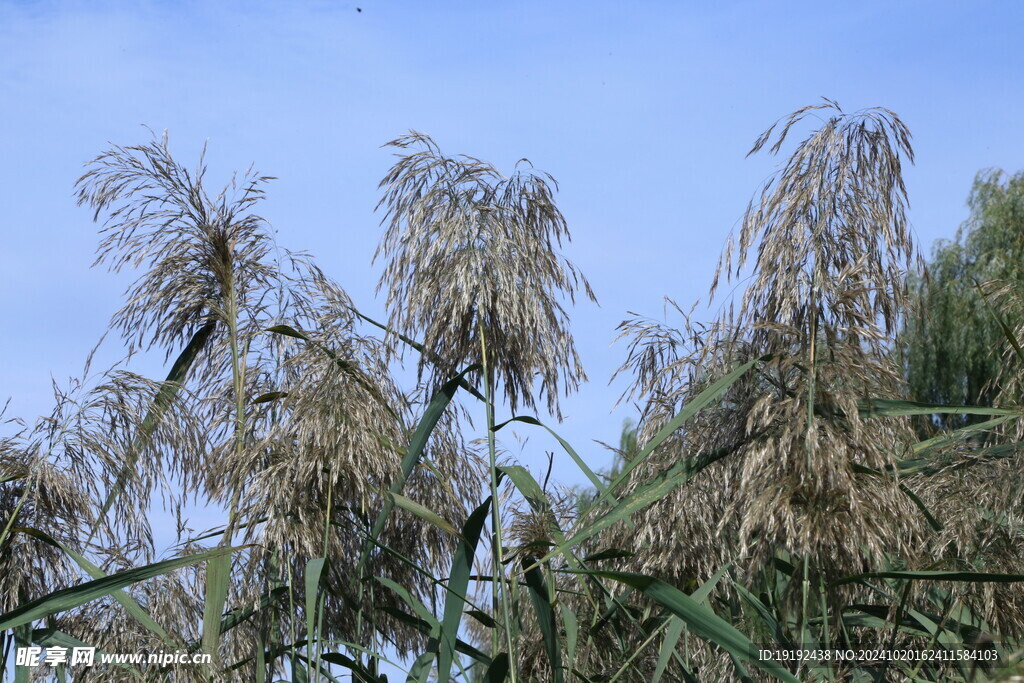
643,112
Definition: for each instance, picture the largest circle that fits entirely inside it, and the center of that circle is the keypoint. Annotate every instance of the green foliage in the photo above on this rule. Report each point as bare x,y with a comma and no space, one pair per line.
952,340
627,450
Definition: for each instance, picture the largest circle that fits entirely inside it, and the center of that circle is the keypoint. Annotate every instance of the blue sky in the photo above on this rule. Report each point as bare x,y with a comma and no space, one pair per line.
643,112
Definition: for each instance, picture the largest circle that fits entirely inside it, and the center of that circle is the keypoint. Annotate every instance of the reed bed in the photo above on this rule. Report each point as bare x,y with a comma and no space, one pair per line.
777,493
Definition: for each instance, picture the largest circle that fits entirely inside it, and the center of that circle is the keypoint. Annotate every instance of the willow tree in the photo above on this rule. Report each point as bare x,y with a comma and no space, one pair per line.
962,344
954,333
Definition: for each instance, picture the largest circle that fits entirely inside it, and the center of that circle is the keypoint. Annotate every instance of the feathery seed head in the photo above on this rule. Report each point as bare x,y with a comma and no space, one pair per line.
469,253
202,254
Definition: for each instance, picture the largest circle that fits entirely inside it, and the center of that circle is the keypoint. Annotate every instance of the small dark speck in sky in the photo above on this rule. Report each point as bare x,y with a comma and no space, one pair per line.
359,9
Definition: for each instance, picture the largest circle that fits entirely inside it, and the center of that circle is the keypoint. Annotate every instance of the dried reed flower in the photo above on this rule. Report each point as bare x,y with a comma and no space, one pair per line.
981,507
58,473
208,276
204,258
37,494
828,286
830,230
825,291
331,443
331,425
471,252
532,532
